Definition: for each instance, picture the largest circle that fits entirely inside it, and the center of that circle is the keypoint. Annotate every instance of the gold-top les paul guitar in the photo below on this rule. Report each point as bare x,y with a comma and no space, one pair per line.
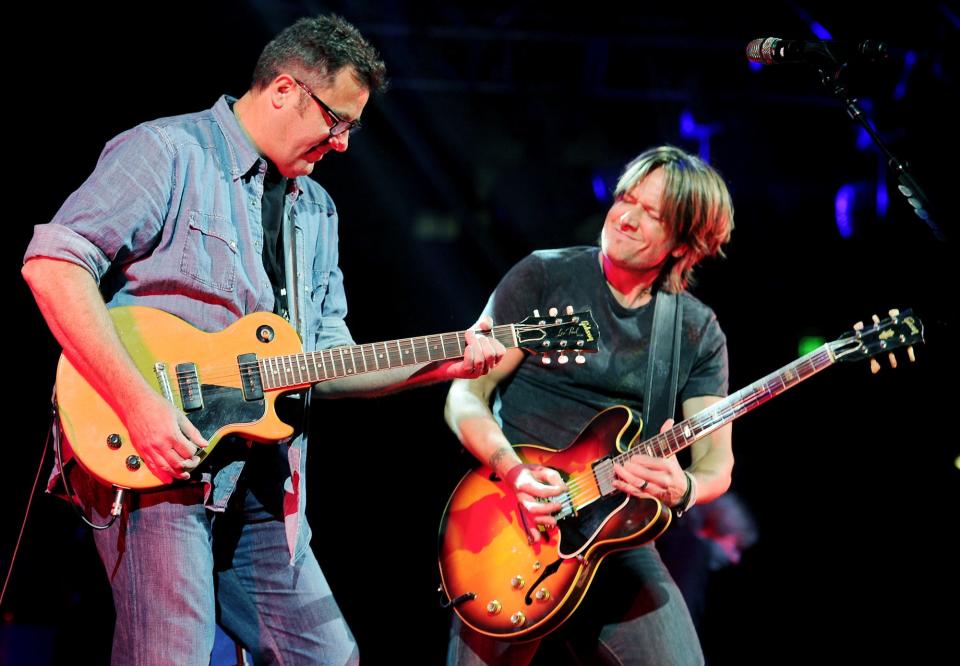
504,587
227,383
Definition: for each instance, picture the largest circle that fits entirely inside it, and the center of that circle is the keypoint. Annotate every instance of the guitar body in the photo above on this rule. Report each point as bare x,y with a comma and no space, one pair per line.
506,588
227,383
95,433
522,591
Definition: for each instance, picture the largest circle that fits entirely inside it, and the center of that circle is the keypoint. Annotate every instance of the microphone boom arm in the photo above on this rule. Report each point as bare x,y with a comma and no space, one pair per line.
908,187
830,59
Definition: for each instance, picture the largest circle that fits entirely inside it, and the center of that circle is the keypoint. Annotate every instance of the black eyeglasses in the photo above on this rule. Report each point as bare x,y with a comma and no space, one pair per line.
339,125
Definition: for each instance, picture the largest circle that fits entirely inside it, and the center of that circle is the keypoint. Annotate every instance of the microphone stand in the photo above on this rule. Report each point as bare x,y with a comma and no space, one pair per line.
830,78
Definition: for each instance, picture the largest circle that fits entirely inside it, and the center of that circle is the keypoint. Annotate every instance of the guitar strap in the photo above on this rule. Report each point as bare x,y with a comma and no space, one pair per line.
663,367
294,306
290,265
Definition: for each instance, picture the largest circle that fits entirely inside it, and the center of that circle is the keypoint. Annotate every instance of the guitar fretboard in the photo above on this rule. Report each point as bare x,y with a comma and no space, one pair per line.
297,370
733,406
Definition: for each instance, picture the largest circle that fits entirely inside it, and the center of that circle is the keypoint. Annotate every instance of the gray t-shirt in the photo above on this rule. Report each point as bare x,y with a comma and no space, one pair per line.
550,404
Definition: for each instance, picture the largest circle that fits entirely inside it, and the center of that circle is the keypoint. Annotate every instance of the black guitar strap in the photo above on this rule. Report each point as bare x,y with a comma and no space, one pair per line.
663,368
291,239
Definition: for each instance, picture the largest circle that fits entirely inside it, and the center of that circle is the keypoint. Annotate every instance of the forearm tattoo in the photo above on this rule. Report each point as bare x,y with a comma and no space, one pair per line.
498,456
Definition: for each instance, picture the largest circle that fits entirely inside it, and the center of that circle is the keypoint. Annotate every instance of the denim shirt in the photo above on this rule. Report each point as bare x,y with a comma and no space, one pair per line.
170,218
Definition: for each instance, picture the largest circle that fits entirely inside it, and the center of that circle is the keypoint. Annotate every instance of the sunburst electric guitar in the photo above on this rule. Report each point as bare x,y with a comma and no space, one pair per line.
507,588
227,383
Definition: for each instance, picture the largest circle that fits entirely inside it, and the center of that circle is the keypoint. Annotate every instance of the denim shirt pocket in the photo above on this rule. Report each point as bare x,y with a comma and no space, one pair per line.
210,251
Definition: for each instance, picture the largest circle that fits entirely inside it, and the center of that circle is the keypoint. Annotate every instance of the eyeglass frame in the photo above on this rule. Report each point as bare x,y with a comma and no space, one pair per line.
339,125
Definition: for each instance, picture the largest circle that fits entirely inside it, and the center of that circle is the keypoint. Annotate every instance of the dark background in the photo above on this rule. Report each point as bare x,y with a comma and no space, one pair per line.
501,125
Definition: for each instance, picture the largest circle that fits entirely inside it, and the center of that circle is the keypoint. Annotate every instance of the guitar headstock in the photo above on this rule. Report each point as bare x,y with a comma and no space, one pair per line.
900,329
573,332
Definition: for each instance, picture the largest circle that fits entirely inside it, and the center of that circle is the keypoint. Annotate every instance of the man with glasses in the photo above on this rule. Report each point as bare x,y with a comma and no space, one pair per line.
210,217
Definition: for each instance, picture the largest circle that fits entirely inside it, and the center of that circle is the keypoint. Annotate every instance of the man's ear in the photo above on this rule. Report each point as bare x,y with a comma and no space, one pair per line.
282,90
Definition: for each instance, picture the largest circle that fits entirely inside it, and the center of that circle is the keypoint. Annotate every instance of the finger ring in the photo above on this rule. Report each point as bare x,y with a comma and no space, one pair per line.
644,485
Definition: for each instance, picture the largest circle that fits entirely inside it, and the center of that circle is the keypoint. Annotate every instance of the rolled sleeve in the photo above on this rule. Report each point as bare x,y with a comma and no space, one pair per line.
56,241
118,212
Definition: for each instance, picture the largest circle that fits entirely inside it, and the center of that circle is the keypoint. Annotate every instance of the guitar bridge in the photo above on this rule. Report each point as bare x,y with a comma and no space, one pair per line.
160,370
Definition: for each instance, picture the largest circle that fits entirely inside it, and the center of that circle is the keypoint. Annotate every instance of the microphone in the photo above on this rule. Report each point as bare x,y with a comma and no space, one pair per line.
773,51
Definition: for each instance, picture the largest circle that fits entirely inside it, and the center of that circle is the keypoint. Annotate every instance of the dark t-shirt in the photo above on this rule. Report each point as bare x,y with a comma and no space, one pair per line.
274,190
550,404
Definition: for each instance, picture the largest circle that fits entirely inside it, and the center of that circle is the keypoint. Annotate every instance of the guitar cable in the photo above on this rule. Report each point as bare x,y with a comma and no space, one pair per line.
26,514
54,434
117,506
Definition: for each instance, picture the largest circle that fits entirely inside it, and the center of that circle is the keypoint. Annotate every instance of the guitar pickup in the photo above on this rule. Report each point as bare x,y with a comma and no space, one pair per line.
603,474
250,379
189,383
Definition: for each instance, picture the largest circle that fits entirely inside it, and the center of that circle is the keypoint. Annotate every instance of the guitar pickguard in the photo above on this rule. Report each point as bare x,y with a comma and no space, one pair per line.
614,518
577,532
223,404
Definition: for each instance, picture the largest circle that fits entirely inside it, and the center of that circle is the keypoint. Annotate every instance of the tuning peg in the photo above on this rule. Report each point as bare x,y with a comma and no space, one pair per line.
563,360
545,360
857,327
580,359
569,309
893,359
876,320
536,313
894,313
874,366
552,312
910,354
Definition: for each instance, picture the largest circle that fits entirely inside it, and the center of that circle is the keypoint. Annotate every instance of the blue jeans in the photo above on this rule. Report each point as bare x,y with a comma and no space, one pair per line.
177,569
633,614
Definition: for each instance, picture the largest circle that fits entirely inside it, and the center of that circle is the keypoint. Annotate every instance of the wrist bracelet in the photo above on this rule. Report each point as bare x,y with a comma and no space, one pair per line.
689,497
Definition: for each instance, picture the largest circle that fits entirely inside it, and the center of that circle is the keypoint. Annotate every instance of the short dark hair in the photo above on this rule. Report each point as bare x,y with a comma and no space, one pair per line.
322,45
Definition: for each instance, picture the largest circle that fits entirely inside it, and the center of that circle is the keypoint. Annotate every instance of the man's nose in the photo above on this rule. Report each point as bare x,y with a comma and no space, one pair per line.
340,141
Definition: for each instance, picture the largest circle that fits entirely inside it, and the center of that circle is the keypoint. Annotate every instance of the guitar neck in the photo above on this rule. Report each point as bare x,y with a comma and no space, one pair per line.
737,404
302,370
